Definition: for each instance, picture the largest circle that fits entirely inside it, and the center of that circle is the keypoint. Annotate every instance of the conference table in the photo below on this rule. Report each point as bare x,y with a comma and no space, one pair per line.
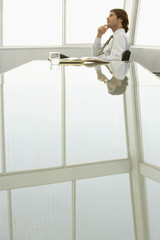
79,152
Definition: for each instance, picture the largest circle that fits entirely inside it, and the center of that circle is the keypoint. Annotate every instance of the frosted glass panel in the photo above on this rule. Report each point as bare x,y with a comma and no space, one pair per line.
0,163
42,212
29,22
104,209
84,17
149,94
147,33
32,99
4,227
153,189
95,127
1,107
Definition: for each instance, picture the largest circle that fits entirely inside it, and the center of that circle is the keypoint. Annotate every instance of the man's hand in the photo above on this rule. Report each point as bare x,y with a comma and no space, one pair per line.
101,76
102,30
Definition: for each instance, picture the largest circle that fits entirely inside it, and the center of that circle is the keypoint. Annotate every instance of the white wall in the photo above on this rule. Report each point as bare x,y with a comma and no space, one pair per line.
13,57
149,57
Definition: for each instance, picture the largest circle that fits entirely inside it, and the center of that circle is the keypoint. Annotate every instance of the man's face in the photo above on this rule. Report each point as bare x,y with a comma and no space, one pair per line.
113,83
113,21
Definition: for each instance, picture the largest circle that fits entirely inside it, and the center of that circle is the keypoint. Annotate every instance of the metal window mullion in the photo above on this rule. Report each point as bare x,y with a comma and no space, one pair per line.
63,116
1,22
73,210
144,199
63,22
2,134
125,122
10,221
134,20
30,178
128,151
124,4
137,183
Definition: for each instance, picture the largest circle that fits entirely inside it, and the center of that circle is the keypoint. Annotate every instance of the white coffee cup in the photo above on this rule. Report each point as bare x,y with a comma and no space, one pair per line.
54,57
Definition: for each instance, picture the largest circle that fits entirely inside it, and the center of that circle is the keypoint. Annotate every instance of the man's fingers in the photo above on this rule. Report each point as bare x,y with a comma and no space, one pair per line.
102,29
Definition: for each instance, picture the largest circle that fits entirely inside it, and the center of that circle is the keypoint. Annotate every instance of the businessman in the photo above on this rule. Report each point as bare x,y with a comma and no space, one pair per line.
118,44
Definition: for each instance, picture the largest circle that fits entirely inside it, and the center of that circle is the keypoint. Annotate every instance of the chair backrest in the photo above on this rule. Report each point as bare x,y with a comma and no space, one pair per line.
126,55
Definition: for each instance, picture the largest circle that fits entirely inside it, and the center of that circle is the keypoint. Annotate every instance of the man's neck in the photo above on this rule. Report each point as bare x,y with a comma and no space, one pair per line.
116,28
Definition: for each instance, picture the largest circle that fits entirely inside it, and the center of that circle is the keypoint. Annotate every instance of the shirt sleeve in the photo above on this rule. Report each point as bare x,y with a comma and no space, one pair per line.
118,47
96,46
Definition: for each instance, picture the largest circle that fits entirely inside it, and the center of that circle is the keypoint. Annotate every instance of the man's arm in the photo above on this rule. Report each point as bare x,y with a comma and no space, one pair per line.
118,47
97,44
102,30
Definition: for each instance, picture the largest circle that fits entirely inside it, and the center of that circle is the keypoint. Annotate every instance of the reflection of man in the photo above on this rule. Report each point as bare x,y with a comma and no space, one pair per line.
118,22
118,83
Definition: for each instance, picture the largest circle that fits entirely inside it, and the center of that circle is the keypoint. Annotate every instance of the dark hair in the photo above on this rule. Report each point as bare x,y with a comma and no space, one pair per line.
120,89
120,13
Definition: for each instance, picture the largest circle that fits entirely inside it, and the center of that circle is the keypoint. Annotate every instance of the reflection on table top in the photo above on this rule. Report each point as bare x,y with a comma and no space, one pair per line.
63,115
66,125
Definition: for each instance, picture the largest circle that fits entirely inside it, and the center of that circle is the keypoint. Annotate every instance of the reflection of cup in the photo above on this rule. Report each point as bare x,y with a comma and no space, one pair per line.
54,66
54,57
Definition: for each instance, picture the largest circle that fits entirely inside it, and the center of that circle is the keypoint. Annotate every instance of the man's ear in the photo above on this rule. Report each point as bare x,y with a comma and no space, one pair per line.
121,20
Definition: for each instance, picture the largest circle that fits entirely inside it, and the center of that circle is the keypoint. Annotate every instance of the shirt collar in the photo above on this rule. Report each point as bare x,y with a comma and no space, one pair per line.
121,30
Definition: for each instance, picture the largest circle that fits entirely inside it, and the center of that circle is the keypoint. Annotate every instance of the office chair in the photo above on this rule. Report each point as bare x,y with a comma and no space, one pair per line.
126,55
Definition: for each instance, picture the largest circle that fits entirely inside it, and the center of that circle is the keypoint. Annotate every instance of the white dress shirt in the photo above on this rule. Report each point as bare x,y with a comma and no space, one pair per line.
114,50
119,69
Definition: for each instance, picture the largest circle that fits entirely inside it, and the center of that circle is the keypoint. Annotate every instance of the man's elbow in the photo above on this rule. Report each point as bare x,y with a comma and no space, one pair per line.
115,57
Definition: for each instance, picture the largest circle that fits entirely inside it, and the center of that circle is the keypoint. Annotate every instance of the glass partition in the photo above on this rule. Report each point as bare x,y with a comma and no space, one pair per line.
104,209
149,98
32,115
84,17
146,33
4,221
30,22
43,212
42,22
153,190
94,210
63,116
95,124
1,120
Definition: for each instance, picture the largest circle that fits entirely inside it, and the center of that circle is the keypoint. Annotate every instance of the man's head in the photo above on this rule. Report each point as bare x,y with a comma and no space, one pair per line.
116,86
118,18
